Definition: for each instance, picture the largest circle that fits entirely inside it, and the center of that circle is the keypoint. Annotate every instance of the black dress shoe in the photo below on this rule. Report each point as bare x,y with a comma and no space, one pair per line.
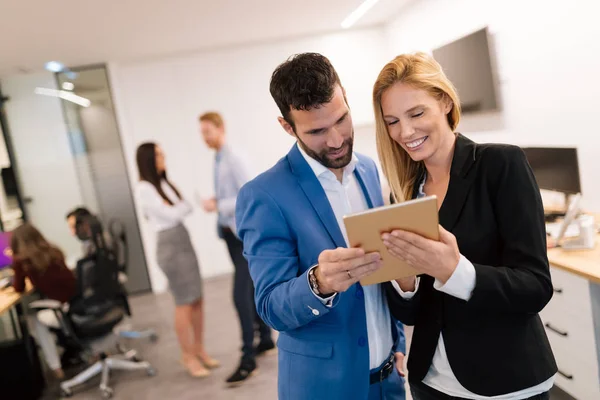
264,348
245,371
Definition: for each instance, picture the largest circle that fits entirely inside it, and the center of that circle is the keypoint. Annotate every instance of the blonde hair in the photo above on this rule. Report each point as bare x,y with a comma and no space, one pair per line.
213,117
420,71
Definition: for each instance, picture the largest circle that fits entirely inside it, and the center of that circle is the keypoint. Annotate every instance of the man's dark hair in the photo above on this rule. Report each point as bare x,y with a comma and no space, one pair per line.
305,81
78,213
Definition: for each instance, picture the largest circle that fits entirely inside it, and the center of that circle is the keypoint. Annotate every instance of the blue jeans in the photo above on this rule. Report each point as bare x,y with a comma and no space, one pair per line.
390,389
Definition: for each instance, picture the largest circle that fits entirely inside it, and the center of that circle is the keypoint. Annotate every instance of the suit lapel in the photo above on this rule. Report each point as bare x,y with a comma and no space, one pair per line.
366,185
460,182
316,195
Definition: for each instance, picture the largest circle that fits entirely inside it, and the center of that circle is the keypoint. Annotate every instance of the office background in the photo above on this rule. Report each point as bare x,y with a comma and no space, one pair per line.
176,60
542,58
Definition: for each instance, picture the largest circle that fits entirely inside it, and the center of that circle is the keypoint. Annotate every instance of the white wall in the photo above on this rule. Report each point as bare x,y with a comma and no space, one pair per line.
160,101
548,61
546,67
45,165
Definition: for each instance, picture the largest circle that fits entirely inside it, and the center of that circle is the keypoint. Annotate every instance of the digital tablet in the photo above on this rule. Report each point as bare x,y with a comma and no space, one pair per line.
364,230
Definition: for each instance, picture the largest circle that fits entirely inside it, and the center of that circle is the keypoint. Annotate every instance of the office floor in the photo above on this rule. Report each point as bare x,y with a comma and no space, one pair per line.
172,382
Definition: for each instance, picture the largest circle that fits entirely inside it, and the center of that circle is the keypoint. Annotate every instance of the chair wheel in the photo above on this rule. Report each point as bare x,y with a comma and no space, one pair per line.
154,338
107,393
151,371
66,393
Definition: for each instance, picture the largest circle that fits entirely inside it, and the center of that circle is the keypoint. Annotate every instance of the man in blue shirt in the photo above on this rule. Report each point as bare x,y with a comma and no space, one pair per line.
230,174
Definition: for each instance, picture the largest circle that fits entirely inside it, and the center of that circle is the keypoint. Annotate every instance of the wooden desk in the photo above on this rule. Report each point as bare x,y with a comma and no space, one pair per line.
8,296
585,263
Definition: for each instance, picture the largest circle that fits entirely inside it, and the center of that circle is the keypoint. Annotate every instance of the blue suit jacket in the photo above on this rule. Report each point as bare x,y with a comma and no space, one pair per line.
285,221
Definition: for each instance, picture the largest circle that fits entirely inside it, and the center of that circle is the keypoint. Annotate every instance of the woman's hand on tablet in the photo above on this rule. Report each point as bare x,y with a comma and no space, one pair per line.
436,259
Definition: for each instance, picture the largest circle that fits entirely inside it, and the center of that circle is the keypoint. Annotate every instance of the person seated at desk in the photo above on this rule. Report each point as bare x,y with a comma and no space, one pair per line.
78,221
44,265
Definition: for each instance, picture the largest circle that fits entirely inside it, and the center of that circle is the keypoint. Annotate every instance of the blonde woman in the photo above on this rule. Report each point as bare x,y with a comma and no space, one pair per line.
476,299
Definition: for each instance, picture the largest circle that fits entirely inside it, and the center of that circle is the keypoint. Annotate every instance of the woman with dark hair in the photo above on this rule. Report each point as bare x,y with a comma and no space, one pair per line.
44,265
166,209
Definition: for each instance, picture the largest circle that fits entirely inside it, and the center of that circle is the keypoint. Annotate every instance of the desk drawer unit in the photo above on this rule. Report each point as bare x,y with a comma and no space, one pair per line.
570,329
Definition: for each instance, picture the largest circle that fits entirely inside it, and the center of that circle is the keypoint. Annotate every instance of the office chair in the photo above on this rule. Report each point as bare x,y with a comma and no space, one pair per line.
121,251
93,319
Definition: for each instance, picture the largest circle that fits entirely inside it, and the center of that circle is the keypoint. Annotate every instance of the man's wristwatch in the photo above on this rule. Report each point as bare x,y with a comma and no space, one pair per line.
314,285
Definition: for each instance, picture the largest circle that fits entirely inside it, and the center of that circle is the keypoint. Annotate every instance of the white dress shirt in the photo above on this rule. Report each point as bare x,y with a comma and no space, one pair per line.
162,216
345,198
440,376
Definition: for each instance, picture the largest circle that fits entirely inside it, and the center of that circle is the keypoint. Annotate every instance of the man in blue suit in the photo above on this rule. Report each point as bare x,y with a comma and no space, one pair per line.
337,339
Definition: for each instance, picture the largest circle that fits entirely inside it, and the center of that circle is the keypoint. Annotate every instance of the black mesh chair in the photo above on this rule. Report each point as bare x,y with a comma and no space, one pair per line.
92,322
119,248
118,236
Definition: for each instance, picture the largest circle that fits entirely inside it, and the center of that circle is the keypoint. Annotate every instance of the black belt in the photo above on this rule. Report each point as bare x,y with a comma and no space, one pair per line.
383,373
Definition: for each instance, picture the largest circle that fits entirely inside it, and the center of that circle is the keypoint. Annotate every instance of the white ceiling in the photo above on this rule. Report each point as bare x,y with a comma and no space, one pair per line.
80,32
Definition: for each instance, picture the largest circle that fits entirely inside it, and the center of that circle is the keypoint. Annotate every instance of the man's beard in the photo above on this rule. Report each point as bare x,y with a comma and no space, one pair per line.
326,159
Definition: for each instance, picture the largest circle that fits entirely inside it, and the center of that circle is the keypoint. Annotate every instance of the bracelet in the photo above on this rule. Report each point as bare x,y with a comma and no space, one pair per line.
313,280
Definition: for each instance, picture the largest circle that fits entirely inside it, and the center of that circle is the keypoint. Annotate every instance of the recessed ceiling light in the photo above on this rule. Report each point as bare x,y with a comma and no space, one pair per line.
54,66
358,13
63,94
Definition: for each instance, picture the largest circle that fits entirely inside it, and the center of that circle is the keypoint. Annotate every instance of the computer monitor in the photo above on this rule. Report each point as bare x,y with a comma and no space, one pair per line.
5,250
555,168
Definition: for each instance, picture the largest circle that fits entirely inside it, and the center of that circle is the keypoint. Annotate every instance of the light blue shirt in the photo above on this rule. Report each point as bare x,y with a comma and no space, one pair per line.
231,173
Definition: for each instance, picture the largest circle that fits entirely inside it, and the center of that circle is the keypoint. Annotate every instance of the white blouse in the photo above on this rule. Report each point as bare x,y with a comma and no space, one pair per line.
162,216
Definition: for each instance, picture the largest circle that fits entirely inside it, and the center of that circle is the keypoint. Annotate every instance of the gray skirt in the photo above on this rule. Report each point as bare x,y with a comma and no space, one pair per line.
177,259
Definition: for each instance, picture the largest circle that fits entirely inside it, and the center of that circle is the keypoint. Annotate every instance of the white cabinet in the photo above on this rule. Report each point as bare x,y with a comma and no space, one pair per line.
570,329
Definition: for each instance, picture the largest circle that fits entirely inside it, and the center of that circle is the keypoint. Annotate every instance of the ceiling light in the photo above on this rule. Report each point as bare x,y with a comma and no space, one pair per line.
63,94
54,66
358,13
68,86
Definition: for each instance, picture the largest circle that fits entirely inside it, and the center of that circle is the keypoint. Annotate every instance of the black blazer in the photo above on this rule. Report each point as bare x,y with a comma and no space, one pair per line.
495,342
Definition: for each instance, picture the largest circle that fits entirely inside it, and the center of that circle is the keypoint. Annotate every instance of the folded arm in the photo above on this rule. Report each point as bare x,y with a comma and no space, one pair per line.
154,204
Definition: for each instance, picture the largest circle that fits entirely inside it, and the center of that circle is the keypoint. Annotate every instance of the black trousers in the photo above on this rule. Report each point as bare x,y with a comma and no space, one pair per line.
421,391
243,298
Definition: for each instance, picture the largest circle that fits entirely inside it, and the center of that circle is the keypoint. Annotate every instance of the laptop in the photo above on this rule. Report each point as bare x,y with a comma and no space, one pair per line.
5,250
